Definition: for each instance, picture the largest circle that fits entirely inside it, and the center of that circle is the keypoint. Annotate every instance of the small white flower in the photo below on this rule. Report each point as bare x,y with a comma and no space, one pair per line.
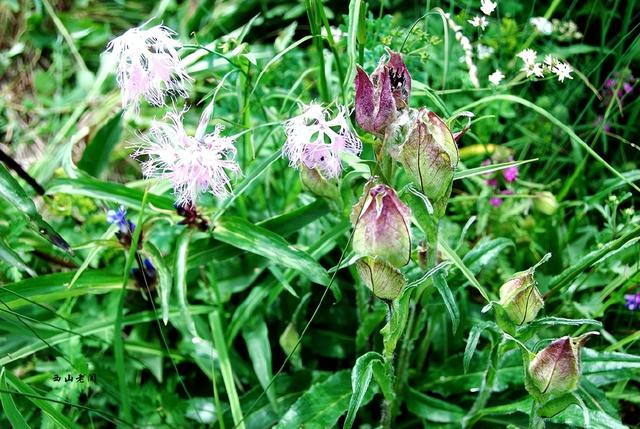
484,51
533,69
148,65
192,164
528,56
496,77
315,141
563,71
479,21
487,6
542,25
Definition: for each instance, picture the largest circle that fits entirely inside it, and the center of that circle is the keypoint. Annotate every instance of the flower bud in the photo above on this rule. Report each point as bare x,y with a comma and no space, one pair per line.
382,224
521,298
430,155
379,96
545,203
316,183
556,369
384,280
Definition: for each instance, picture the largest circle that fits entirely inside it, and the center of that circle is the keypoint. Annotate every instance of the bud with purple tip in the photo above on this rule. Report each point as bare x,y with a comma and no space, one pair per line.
381,95
521,298
429,155
382,237
556,369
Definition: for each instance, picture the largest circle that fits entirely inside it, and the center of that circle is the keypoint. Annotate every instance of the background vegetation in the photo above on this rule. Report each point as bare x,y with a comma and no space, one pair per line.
210,338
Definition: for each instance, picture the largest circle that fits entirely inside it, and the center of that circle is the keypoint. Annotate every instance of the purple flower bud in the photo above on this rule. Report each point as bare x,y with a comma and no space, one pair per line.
495,201
627,87
556,369
430,155
521,298
384,280
379,96
382,225
510,174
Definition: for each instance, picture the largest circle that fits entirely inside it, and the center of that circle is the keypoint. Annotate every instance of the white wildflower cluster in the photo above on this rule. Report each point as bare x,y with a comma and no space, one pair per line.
551,65
487,7
484,51
468,50
496,77
542,25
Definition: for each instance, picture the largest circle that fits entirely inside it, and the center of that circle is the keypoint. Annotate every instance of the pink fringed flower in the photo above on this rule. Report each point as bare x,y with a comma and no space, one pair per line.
148,65
192,164
315,141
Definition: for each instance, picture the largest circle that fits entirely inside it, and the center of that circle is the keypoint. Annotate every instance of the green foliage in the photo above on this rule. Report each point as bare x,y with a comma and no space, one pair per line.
256,317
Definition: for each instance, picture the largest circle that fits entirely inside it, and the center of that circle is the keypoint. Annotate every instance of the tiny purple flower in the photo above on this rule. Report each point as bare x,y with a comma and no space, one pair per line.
119,218
510,174
495,201
492,182
627,87
610,83
632,301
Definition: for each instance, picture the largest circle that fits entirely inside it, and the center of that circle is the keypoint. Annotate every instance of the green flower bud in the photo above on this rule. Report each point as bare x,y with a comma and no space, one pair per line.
316,183
384,280
521,298
556,369
545,203
430,155
382,225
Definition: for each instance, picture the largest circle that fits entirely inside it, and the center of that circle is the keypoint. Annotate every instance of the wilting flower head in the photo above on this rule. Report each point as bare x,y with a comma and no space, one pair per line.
314,141
556,369
192,164
521,298
379,96
382,225
148,65
429,155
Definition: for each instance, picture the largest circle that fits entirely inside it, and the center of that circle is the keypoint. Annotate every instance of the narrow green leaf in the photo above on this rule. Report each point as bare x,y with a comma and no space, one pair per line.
59,419
225,368
321,405
451,254
180,279
256,336
165,280
108,191
252,238
472,342
491,168
360,378
9,407
96,155
432,409
12,258
440,282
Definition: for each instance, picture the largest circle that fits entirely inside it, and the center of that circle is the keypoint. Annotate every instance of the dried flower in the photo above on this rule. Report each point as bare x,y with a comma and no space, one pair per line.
148,65
379,96
496,77
314,141
382,225
479,21
192,164
556,369
487,6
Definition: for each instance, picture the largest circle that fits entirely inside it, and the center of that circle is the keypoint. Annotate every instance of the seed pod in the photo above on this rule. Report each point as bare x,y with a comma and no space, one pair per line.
316,183
545,202
382,225
430,155
379,96
521,298
556,369
384,280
